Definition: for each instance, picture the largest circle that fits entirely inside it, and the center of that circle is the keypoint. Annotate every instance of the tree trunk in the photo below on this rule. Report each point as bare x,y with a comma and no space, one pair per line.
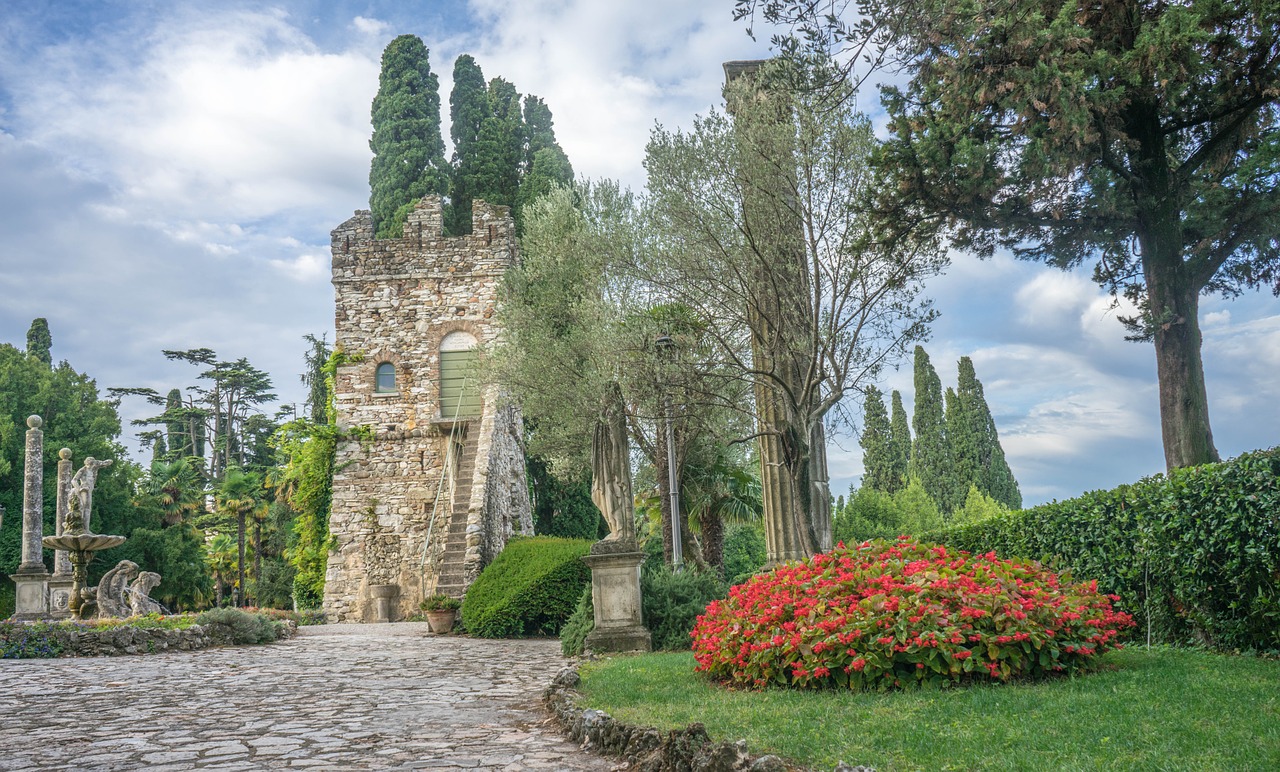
713,540
240,540
664,490
257,559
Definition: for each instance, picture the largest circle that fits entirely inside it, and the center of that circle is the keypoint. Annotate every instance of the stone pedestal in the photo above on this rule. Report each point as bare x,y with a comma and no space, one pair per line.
382,595
60,587
32,601
615,592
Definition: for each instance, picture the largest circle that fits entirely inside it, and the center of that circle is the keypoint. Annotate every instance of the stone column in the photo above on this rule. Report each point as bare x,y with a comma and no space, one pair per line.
615,593
32,578
61,582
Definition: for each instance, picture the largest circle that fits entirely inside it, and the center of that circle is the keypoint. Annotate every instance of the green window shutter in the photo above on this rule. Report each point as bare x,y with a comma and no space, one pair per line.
459,386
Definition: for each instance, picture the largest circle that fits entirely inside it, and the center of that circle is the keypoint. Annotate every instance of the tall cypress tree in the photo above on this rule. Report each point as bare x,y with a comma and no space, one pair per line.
499,148
930,455
876,441
408,151
176,426
899,443
40,341
983,456
545,162
468,108
961,442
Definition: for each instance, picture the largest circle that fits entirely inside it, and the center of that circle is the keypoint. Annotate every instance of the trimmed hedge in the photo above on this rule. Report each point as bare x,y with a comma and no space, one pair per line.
1195,555
531,588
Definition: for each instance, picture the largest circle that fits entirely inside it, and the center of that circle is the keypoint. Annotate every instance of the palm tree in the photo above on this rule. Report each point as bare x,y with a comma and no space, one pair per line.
724,489
178,488
222,562
238,496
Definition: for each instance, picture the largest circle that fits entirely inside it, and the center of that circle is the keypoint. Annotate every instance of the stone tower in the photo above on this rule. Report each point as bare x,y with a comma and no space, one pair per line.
432,481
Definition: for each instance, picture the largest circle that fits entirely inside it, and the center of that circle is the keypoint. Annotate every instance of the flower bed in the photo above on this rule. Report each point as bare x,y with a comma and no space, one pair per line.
892,614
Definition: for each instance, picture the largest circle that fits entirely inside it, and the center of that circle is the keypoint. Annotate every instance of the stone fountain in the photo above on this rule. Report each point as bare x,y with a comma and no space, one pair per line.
76,539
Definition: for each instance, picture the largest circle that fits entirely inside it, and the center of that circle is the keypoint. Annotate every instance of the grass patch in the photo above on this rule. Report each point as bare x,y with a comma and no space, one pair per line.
1159,709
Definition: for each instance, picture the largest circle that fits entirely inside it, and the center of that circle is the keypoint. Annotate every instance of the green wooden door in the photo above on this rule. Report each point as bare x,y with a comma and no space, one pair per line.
459,386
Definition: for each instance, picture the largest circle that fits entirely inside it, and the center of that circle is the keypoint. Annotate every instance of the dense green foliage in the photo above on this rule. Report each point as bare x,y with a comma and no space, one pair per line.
877,444
408,151
573,636
40,341
1159,708
562,508
235,626
744,551
893,614
672,601
1193,554
531,588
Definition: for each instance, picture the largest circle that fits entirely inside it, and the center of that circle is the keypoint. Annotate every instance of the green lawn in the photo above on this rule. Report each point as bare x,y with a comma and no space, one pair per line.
1158,709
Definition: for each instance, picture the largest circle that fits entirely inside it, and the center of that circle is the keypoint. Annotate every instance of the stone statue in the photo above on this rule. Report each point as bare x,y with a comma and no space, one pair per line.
110,594
80,498
139,592
611,471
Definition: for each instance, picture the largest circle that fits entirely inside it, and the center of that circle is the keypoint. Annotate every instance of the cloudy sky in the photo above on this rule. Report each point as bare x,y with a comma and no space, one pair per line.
171,172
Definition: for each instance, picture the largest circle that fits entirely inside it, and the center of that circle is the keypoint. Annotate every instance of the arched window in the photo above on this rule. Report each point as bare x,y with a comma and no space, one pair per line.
385,378
459,386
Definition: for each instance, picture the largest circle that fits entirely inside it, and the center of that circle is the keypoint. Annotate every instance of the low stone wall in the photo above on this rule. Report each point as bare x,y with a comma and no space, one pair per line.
125,640
644,747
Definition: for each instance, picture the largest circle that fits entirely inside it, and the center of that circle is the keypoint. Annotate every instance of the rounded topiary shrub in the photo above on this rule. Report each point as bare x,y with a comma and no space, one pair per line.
531,588
894,614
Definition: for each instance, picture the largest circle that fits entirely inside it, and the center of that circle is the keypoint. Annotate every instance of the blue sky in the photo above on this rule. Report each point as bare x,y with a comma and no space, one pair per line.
172,171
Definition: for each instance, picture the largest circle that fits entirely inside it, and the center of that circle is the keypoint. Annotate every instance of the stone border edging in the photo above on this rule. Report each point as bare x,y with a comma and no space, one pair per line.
647,748
125,640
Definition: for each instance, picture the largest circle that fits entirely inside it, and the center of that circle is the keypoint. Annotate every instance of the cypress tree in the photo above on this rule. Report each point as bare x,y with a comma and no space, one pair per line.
179,436
899,442
40,341
468,107
982,450
499,148
408,151
960,441
930,455
877,451
545,163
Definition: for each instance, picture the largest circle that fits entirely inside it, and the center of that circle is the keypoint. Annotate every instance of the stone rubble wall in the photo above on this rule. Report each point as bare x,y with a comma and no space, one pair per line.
125,640
396,300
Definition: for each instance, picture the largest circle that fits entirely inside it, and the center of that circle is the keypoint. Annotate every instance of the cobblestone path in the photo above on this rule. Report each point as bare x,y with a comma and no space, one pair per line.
334,697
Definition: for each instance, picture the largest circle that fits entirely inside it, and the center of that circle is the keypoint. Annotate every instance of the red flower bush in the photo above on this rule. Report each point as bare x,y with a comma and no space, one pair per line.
886,614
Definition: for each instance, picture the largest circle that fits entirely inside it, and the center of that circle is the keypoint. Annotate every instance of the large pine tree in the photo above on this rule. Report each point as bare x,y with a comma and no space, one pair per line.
979,456
408,151
931,459
877,440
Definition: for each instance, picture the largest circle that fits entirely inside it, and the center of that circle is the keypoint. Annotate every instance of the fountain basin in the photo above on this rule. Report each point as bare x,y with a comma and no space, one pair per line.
83,542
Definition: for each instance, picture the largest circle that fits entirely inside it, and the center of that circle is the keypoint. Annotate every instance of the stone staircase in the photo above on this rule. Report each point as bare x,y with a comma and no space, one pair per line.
451,580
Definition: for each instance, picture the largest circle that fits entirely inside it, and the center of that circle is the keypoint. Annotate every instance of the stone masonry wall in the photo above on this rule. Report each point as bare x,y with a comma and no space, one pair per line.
396,299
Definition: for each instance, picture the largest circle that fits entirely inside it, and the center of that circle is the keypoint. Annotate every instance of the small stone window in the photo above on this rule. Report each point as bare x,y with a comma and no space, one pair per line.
385,379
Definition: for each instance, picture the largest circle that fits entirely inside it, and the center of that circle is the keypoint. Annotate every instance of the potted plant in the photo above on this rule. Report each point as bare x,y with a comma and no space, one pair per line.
441,612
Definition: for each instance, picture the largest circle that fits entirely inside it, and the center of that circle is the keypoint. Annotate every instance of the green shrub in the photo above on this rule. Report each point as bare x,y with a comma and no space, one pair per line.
573,636
1195,554
236,626
894,614
531,588
744,551
671,602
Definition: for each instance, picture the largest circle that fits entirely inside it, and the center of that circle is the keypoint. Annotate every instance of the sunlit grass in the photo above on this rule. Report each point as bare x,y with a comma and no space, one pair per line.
1158,709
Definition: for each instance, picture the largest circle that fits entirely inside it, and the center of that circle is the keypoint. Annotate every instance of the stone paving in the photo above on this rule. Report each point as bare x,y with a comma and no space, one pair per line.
334,697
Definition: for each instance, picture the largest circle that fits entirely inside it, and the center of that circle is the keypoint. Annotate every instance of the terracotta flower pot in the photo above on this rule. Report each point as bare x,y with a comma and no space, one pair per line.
441,621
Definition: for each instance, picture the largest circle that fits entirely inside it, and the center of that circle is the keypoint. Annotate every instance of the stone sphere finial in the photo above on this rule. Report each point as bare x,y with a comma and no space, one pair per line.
34,421
65,454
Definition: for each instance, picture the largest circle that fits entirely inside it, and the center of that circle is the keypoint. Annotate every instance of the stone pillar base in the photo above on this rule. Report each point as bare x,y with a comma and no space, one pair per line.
60,596
382,595
615,593
32,601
